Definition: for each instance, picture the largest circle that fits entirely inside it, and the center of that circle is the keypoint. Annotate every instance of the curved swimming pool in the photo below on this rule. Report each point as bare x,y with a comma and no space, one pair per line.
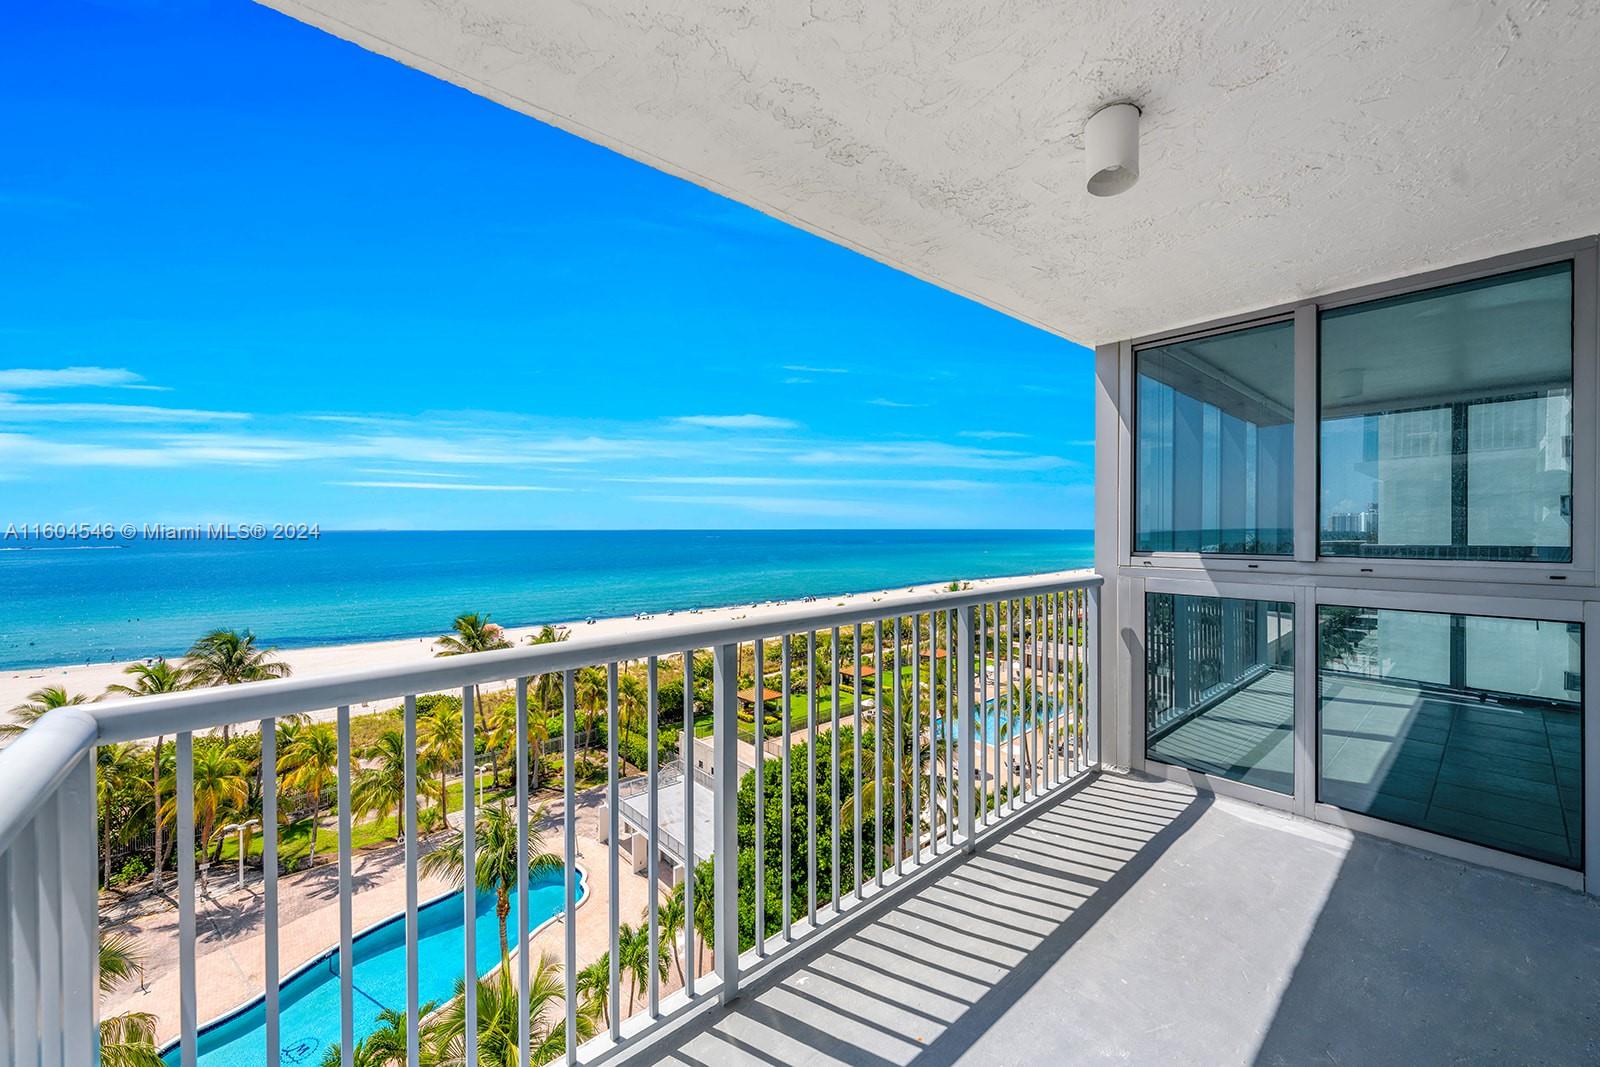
308,1001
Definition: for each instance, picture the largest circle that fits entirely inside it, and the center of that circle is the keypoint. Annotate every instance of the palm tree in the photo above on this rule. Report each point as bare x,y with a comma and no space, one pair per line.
594,986
495,860
633,959
34,708
127,1040
631,699
220,785
227,657
669,922
498,722
498,1022
439,737
120,960
705,909
311,758
910,762
591,689
381,788
471,633
118,771
385,1046
148,680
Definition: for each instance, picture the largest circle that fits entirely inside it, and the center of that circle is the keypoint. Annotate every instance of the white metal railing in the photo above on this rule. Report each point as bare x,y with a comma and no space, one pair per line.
990,706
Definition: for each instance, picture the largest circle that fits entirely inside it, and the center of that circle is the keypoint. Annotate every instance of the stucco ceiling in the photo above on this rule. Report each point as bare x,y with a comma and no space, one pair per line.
1290,147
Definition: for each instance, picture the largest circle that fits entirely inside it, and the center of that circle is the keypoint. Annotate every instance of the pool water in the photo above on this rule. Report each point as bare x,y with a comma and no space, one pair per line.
308,1003
994,718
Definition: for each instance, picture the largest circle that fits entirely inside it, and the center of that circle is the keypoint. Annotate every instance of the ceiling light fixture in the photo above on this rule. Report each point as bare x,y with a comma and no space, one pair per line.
1111,147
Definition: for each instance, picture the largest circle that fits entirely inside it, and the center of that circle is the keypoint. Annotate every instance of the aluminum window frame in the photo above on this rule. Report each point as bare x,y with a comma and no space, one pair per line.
1580,570
1132,393
1497,588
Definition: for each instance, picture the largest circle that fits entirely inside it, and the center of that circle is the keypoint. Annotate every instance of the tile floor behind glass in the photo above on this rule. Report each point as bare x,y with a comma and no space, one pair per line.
1501,773
1247,736
1505,774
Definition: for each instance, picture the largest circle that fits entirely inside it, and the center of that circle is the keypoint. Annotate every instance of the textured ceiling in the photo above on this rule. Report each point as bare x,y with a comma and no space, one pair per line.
1289,147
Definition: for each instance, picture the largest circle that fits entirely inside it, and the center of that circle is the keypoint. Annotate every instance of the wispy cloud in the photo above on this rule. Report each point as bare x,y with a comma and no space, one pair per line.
15,410
798,381
806,368
386,473
885,402
773,481
929,454
456,487
787,505
991,435
72,377
738,422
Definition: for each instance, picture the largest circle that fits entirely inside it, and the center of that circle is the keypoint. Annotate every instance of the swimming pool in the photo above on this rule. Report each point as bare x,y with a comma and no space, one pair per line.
994,717
308,1001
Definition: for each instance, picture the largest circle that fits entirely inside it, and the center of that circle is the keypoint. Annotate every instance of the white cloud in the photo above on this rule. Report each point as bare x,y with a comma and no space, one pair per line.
783,505
13,410
805,368
990,435
884,402
69,377
931,454
738,422
385,473
732,480
463,487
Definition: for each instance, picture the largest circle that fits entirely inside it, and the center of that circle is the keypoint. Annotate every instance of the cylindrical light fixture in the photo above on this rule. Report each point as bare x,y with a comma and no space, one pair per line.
1111,147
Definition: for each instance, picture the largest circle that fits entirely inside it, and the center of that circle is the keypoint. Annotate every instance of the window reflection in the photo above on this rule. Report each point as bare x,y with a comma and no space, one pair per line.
1464,725
1216,444
1219,687
1447,422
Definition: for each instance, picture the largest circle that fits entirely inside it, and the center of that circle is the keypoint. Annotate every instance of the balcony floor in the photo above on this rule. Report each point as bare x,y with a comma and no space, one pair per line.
1139,922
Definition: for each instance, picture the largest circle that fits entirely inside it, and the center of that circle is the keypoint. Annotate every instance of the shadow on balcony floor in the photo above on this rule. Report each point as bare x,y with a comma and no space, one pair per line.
1138,922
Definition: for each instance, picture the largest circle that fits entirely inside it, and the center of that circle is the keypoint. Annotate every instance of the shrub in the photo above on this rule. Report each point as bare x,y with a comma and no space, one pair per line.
133,868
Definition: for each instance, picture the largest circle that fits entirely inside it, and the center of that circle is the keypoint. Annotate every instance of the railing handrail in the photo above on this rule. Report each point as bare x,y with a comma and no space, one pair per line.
134,718
34,765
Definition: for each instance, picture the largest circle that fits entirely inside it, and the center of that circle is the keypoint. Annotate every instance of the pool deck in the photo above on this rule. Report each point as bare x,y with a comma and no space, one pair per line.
230,943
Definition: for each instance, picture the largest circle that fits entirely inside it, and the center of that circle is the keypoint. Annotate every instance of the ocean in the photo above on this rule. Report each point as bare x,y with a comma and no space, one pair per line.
139,598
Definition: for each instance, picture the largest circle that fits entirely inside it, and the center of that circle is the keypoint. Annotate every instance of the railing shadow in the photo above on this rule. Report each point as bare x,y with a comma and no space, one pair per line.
921,976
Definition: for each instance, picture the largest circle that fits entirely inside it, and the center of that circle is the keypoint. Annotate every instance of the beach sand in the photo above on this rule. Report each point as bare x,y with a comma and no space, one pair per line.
93,679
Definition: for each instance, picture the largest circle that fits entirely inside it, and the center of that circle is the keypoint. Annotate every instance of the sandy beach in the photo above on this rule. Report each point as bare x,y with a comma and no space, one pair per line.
93,679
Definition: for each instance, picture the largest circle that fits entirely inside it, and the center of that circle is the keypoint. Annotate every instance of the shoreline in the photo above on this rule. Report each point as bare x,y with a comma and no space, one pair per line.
91,680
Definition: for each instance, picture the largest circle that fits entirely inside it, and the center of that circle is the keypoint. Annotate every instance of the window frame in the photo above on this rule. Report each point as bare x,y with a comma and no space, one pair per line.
1133,467
1527,609
1307,559
1323,306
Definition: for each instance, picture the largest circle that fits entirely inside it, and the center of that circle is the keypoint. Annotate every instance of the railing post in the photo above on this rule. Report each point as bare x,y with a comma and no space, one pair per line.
1091,676
966,768
80,928
725,822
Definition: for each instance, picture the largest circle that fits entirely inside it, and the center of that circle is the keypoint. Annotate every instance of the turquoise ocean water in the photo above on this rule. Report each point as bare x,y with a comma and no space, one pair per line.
138,598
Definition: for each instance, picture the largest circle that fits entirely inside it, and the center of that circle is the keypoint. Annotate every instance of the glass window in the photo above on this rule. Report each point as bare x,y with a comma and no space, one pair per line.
1219,687
1447,422
1464,725
1216,444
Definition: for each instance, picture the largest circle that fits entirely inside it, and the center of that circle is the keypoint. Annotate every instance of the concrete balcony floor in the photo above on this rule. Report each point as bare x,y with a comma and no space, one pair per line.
1139,922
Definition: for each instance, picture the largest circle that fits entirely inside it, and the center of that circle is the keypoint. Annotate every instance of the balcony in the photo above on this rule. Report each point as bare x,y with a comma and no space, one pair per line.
1129,920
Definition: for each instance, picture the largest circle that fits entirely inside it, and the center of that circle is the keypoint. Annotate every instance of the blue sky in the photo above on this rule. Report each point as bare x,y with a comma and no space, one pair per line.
253,273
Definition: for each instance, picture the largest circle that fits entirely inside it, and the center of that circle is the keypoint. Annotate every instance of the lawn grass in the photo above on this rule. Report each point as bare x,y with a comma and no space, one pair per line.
294,838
